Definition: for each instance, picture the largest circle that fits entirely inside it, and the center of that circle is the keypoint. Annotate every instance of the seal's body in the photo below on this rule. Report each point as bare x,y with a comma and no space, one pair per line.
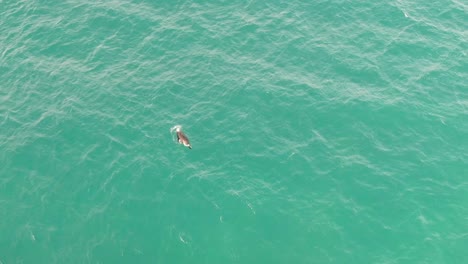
182,138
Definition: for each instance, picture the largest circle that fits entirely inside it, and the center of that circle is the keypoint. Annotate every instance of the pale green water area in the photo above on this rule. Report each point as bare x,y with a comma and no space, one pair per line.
322,131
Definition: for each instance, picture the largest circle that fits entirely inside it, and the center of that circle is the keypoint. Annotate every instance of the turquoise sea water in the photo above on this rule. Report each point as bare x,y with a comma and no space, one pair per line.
322,131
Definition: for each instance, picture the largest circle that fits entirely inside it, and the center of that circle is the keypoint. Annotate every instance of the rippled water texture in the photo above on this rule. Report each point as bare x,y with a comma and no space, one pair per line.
322,132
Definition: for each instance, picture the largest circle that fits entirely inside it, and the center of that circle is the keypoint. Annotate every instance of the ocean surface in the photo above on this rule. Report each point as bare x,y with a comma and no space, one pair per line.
322,131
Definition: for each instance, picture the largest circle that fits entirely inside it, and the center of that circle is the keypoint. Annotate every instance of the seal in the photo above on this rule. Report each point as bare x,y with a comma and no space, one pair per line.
181,137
